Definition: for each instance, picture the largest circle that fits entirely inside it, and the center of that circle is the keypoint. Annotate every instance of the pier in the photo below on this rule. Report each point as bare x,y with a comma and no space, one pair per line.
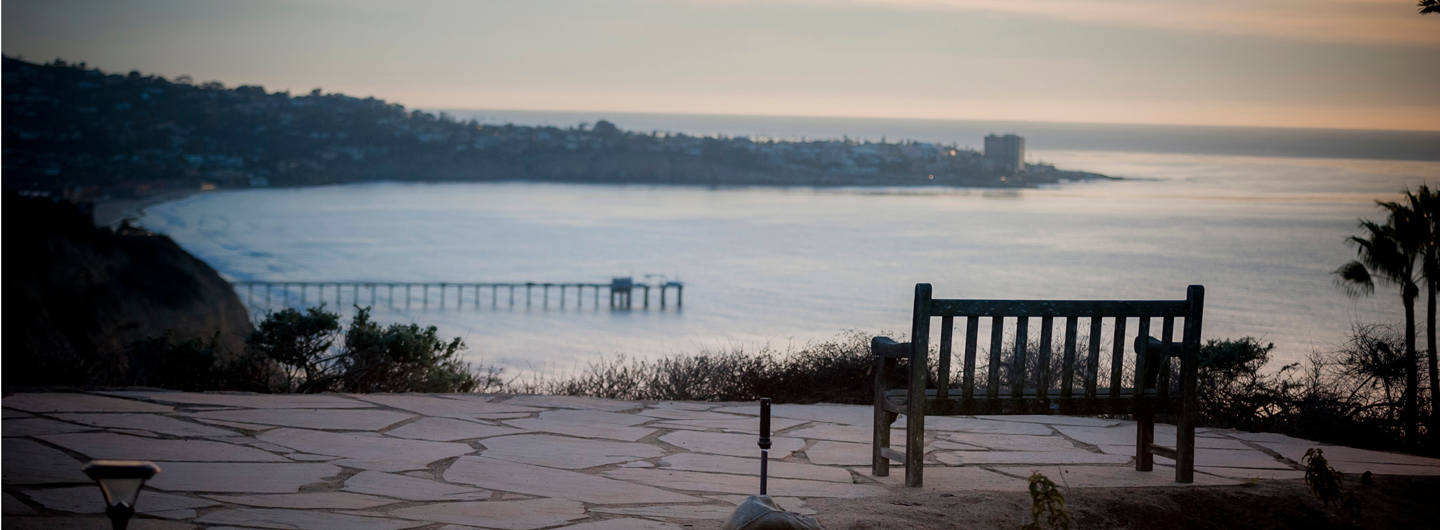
460,295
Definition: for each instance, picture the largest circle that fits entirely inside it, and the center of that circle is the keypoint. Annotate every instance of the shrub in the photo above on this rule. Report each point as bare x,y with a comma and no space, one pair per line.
193,365
396,358
300,341
836,371
402,358
1231,389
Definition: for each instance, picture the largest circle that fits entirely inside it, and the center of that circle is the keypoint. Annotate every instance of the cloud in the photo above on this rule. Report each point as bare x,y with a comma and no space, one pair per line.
1386,22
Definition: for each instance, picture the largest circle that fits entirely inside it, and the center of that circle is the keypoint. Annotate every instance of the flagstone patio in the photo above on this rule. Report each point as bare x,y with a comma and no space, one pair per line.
455,462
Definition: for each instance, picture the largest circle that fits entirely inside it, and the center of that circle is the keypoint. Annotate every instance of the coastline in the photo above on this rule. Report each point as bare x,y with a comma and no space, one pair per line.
111,212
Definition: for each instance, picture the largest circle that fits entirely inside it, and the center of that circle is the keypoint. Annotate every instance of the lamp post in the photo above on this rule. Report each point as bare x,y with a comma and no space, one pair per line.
120,481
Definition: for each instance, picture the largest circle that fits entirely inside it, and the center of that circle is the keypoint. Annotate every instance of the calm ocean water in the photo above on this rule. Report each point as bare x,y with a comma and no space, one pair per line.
786,266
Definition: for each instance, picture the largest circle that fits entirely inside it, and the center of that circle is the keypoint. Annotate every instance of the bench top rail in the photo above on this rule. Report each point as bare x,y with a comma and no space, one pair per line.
1059,308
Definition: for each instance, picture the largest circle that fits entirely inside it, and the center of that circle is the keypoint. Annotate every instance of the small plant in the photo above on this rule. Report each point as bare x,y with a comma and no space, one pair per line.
1328,485
1045,497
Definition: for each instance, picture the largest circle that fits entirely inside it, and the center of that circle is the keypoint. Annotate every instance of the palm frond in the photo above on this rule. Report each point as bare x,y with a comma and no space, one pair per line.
1355,279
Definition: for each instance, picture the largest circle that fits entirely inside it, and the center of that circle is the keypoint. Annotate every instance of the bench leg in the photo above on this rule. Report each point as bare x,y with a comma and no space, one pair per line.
1185,448
1144,436
879,465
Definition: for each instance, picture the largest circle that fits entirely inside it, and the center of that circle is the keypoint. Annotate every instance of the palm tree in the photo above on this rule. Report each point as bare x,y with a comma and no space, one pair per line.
1423,207
1388,251
1428,6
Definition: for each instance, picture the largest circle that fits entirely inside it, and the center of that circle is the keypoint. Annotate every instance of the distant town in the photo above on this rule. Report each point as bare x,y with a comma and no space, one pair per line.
78,132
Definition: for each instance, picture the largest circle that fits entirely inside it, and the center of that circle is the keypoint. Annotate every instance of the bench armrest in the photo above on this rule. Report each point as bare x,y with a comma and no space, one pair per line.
887,347
1157,348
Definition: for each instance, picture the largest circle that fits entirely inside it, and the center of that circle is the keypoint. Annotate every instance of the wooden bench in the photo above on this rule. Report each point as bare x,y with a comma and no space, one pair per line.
1032,388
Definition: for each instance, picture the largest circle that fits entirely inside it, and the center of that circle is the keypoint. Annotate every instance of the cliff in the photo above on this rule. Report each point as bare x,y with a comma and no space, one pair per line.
76,296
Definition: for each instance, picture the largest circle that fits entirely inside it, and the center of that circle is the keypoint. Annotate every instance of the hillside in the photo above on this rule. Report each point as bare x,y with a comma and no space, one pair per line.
83,132
76,297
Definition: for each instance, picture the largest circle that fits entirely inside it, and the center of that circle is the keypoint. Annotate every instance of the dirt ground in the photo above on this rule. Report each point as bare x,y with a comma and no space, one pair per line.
1391,502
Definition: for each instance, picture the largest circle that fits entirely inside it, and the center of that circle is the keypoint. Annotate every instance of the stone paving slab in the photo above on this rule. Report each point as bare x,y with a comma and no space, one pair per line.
154,423
564,452
673,511
464,462
328,500
63,402
623,524
13,506
253,401
367,452
513,515
229,477
439,406
573,402
843,433
953,479
306,519
450,430
739,425
29,462
104,445
1071,457
594,416
747,466
841,414
684,414
40,426
829,453
1243,459
582,430
722,483
1007,442
411,488
731,444
342,419
88,499
541,481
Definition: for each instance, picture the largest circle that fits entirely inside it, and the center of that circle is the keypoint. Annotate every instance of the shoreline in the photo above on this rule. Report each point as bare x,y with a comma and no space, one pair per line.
111,212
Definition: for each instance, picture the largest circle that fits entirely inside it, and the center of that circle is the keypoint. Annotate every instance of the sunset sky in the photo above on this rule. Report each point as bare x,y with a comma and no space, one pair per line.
1371,64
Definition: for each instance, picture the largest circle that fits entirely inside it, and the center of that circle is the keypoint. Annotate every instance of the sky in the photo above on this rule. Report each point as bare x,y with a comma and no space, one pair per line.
1361,64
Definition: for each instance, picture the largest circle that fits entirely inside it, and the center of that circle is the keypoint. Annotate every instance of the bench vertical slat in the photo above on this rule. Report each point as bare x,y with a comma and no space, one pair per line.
1117,359
1092,361
1141,349
1017,370
1144,422
1067,372
1185,430
1042,386
915,411
972,330
1167,338
942,383
997,339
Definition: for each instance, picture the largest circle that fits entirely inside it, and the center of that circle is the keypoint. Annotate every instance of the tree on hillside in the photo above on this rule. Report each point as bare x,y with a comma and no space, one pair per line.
1389,252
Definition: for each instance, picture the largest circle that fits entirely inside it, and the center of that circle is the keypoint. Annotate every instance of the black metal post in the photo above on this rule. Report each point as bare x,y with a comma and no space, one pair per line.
764,442
120,516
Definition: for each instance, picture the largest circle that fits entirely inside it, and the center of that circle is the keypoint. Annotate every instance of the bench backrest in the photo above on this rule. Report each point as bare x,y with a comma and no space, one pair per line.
1027,366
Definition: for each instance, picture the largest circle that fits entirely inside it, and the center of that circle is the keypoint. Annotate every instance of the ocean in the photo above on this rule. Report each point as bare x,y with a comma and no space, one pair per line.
1260,224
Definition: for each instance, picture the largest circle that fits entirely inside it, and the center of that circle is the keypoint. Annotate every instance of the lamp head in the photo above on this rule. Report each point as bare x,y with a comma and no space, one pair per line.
120,480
